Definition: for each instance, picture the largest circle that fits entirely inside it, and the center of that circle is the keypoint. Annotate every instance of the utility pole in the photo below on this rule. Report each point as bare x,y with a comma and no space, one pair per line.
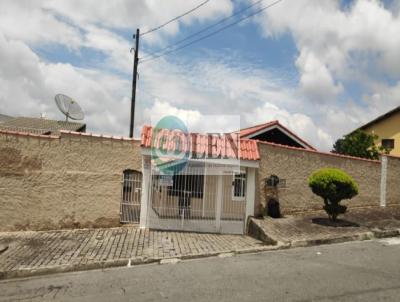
134,79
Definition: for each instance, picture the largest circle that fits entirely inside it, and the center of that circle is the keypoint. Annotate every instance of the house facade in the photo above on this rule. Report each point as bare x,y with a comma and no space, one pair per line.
197,182
387,128
43,126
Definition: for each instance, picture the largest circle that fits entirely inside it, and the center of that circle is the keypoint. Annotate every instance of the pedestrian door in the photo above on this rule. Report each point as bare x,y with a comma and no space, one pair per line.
131,196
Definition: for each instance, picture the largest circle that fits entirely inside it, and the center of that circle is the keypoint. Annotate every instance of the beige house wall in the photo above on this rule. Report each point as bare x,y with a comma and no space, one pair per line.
296,165
71,181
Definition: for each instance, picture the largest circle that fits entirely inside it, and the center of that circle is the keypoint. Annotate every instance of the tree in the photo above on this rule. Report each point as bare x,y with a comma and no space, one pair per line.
333,185
359,144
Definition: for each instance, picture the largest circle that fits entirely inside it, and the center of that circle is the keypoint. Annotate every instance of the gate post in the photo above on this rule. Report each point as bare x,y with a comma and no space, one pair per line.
250,192
218,209
144,201
384,160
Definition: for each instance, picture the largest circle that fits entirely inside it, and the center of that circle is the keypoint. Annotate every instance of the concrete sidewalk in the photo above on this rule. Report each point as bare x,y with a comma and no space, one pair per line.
32,253
314,228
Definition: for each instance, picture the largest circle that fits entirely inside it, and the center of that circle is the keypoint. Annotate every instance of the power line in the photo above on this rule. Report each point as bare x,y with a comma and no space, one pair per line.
202,30
212,33
176,18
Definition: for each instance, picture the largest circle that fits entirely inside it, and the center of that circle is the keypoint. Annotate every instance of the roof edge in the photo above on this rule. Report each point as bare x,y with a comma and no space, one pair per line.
90,134
378,119
277,123
28,134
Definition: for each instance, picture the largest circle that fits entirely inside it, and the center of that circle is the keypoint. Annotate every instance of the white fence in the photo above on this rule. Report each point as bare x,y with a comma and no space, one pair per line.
193,200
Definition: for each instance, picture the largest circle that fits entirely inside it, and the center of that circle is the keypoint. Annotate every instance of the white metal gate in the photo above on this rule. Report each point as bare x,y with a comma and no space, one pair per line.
131,196
192,200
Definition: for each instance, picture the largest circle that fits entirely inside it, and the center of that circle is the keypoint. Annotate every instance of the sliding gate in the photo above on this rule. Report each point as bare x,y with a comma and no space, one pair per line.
194,200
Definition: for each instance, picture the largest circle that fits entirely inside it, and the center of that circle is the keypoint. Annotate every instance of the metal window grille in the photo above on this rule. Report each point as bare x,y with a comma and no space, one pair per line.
239,186
131,196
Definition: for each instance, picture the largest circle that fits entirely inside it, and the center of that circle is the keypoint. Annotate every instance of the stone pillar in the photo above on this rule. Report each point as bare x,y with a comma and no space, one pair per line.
250,191
384,161
218,208
144,202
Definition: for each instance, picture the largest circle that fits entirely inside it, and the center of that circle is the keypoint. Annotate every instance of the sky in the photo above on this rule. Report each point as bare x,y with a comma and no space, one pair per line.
320,67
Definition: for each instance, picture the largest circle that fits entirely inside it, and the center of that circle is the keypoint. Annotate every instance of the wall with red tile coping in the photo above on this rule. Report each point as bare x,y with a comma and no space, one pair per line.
295,165
62,182
75,180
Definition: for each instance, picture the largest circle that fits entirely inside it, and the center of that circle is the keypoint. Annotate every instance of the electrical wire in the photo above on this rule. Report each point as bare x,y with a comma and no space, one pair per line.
174,19
202,30
210,34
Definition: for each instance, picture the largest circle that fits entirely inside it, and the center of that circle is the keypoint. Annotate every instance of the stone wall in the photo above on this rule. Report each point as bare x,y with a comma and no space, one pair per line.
296,165
62,182
75,180
393,181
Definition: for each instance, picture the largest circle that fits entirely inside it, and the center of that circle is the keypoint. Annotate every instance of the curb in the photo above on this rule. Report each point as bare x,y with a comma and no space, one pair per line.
21,273
313,242
378,233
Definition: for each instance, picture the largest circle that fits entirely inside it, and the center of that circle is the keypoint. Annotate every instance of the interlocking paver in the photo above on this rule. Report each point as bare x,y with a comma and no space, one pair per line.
35,250
359,221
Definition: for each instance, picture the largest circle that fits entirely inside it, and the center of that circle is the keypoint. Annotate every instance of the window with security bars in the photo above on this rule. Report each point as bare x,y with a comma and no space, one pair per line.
239,186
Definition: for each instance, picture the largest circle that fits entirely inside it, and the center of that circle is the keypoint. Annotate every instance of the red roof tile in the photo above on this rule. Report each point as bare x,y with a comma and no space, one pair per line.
211,145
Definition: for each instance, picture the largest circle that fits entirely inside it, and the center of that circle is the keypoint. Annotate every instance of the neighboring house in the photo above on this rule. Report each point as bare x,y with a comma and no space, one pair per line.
4,118
274,132
41,126
387,128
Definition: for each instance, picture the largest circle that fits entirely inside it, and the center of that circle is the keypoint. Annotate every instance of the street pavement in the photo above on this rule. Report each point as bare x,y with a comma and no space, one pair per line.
353,271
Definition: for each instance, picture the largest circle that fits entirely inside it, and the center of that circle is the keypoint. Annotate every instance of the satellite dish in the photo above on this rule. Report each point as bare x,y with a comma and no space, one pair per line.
69,107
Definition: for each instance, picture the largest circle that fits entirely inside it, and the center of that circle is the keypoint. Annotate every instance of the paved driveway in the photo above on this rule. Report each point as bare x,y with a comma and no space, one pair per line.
86,248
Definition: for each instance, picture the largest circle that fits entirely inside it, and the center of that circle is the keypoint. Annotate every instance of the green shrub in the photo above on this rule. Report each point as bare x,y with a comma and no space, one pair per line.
333,185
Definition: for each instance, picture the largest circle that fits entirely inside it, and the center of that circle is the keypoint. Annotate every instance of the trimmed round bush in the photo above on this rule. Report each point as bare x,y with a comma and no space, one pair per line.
333,185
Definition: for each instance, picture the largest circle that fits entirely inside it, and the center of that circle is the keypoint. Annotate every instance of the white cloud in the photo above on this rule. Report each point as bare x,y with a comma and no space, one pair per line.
27,21
340,38
334,46
28,86
316,81
130,14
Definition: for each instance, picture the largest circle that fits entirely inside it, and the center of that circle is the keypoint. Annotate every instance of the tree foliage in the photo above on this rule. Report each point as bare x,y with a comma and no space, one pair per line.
333,185
359,144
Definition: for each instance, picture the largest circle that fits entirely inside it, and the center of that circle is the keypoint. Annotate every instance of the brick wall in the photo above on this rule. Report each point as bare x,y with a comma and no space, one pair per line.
70,181
296,165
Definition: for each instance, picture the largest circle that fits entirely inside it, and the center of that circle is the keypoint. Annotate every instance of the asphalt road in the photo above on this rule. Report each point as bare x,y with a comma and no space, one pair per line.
357,271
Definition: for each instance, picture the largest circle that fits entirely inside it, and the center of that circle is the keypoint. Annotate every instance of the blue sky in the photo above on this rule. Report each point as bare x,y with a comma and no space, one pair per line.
322,67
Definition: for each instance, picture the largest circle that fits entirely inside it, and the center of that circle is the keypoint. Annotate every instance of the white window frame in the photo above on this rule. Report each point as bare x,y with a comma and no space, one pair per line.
244,180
